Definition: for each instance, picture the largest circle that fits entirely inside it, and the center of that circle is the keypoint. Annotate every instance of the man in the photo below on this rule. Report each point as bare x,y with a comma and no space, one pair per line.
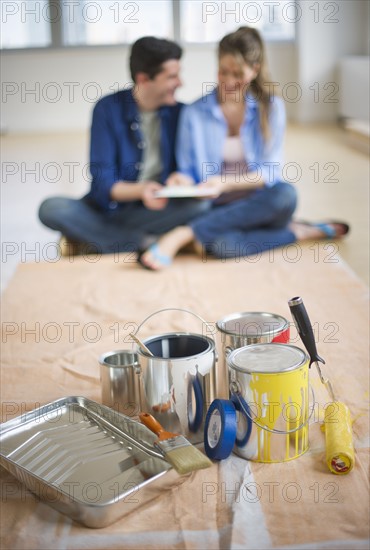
132,155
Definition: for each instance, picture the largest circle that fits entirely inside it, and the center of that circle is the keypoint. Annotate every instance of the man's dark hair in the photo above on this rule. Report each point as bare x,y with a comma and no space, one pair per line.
148,54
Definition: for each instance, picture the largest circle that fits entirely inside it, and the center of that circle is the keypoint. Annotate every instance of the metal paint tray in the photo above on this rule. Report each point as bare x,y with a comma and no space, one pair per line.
85,460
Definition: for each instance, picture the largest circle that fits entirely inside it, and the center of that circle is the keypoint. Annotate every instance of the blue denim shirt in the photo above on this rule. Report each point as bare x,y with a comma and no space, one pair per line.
116,146
203,129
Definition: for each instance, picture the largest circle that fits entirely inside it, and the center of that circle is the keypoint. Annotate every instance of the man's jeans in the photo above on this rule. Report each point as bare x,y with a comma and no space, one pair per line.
123,229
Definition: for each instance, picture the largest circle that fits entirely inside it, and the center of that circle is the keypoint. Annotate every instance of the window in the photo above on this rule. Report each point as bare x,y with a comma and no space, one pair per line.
25,24
115,22
56,23
203,21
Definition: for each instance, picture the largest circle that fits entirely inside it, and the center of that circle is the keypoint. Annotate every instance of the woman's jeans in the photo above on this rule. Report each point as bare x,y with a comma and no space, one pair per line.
250,225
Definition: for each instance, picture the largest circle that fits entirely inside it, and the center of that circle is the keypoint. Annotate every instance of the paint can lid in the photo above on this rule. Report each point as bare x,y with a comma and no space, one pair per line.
253,324
267,358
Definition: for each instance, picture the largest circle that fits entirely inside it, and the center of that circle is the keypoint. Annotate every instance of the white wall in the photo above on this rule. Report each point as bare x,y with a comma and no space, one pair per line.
355,88
54,90
336,30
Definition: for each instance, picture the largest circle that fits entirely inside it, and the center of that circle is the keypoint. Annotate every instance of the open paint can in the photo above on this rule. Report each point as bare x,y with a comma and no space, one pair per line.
177,380
269,387
246,328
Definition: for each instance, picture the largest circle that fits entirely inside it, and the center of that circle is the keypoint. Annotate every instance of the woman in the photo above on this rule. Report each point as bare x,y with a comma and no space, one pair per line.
230,143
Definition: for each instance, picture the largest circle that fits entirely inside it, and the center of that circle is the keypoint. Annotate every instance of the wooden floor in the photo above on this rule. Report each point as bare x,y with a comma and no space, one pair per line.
331,176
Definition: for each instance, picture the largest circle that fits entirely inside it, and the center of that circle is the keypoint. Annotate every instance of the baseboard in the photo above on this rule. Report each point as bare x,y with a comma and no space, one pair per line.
357,134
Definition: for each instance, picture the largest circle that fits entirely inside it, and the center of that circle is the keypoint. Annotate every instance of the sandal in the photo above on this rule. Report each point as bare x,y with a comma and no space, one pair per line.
328,228
161,259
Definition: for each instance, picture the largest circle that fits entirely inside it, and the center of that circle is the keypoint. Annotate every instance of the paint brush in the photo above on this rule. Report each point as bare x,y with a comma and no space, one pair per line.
179,452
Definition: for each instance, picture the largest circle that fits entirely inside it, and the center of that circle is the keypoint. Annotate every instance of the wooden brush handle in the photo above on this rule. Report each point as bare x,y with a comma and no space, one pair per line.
141,344
150,422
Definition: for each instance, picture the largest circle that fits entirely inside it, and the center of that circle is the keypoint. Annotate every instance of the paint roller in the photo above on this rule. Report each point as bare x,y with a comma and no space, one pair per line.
340,454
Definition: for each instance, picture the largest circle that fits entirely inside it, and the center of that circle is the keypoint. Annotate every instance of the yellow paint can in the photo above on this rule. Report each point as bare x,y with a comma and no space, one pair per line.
269,386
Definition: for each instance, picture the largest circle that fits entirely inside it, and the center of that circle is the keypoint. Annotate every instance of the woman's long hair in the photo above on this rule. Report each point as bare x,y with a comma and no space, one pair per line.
247,45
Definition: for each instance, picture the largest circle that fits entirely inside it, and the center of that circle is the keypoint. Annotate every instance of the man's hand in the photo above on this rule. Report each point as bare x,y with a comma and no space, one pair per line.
177,179
148,198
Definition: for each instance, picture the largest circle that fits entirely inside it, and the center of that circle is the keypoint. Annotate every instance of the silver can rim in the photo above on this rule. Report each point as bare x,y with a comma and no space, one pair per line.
104,356
241,315
146,341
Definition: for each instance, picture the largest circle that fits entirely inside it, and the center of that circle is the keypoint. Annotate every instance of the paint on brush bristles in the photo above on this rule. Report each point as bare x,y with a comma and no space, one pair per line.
182,455
177,450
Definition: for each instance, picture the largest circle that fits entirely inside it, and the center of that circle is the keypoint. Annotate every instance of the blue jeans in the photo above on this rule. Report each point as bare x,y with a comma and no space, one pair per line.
250,225
124,229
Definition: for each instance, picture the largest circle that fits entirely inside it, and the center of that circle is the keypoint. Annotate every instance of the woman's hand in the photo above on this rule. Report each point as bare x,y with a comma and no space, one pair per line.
215,185
179,179
218,185
149,199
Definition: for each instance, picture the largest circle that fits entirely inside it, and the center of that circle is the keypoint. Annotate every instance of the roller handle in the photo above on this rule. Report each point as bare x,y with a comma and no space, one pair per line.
154,426
304,328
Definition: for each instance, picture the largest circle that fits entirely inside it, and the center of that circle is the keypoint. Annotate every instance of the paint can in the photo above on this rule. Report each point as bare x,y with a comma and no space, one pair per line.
246,328
269,386
120,388
178,381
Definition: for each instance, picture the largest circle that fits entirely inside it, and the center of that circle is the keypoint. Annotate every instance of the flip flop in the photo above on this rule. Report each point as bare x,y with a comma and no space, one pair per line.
328,229
159,258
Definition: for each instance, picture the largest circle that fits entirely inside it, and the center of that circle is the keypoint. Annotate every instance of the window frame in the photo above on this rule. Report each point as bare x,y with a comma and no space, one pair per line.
56,28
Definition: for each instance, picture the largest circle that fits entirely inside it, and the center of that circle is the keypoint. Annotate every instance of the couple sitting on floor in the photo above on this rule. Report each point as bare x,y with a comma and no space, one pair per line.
228,144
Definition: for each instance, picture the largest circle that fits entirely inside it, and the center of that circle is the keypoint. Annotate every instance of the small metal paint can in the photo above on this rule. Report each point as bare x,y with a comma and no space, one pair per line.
119,382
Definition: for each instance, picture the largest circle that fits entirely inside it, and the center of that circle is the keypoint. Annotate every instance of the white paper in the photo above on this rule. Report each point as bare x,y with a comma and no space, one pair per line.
183,191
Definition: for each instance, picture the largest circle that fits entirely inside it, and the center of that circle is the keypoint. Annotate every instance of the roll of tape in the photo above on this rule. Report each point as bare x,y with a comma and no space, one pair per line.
220,429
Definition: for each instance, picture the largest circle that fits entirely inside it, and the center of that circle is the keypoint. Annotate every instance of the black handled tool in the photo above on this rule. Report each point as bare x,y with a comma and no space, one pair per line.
303,325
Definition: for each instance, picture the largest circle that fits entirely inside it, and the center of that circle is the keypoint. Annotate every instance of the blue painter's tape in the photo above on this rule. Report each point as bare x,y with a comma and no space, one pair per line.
220,429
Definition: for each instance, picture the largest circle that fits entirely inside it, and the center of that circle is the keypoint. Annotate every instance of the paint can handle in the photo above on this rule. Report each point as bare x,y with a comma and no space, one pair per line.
246,411
209,327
